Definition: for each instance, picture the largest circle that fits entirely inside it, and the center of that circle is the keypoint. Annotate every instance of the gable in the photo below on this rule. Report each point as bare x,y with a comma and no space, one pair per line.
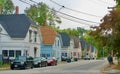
16,25
65,39
48,35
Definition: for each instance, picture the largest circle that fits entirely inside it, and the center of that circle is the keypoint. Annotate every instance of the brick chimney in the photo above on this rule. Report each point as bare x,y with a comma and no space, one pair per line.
16,10
0,9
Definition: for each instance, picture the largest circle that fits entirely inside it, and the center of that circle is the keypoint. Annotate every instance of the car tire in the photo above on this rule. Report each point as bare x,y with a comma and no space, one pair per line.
45,64
52,64
12,68
39,65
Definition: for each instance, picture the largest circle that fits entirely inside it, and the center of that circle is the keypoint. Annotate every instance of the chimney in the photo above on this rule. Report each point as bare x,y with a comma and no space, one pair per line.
16,10
0,9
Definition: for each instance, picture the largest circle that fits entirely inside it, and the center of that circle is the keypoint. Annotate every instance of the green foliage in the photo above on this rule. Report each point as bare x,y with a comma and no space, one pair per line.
8,7
2,2
41,14
98,41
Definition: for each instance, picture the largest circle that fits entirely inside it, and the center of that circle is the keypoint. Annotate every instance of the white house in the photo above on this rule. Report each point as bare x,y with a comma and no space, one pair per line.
66,45
19,36
77,50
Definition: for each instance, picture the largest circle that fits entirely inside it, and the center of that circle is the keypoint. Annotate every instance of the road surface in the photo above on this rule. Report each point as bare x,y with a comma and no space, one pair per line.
80,67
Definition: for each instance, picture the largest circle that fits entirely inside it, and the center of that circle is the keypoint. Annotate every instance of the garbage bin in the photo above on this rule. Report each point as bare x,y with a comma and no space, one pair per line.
75,59
68,60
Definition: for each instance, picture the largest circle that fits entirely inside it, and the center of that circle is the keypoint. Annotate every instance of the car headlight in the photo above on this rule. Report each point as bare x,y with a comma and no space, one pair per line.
35,63
22,62
11,62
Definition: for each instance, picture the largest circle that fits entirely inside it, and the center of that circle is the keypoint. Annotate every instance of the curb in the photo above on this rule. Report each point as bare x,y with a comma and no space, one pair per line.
1,69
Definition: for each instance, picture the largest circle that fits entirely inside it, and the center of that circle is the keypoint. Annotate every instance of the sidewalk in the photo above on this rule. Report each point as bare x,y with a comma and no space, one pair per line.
110,69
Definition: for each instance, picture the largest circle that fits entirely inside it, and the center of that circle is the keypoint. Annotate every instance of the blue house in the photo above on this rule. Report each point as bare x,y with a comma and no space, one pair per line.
51,43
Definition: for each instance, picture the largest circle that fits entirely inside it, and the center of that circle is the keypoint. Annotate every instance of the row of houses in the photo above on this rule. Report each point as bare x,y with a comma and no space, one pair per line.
20,36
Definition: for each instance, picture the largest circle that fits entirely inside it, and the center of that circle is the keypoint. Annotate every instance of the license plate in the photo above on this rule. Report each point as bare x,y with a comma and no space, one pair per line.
16,66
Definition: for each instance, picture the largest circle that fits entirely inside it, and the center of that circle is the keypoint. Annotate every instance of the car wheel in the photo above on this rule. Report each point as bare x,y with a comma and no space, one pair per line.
45,64
12,68
40,65
24,67
52,64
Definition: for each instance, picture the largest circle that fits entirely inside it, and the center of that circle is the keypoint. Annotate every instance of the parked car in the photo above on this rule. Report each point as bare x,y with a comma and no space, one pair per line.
40,62
52,61
63,58
87,57
22,62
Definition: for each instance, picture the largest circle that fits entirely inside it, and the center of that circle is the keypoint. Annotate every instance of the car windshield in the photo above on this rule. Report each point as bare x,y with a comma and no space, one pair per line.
21,58
36,59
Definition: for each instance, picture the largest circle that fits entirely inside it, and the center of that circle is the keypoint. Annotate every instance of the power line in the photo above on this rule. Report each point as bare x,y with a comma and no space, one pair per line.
77,18
70,15
66,17
74,10
25,2
74,20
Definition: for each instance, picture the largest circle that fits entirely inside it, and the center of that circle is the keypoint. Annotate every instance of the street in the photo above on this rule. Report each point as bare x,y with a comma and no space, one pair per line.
80,67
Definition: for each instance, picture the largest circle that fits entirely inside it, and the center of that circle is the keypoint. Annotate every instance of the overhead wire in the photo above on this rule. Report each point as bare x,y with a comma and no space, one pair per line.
68,16
25,2
74,10
71,15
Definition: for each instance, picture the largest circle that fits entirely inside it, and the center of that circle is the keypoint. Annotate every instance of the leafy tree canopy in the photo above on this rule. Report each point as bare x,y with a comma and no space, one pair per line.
7,7
42,14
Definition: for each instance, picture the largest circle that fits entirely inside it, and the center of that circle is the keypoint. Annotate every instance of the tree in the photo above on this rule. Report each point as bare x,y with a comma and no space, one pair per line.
98,41
7,7
110,28
42,14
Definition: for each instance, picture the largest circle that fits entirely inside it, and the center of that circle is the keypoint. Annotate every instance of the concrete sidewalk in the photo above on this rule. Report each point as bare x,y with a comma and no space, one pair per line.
110,69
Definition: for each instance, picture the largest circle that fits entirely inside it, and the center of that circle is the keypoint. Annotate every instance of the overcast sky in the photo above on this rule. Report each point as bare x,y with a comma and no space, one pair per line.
97,8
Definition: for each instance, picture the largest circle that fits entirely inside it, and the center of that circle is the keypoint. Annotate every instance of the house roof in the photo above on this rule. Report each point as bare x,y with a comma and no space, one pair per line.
76,42
65,39
48,35
16,25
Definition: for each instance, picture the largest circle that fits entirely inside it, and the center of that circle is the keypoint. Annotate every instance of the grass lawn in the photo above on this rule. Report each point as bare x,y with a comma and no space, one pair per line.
118,67
5,66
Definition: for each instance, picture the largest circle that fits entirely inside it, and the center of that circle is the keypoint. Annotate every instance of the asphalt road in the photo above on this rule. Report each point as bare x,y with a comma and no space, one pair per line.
80,67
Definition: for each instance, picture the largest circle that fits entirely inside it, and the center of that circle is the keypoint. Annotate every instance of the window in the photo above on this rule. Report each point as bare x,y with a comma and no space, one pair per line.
43,55
5,53
62,54
65,54
35,51
18,53
74,54
35,37
11,53
58,42
48,55
30,34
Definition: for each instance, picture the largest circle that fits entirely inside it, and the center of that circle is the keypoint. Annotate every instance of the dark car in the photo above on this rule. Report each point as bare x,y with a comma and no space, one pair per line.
40,62
21,62
52,61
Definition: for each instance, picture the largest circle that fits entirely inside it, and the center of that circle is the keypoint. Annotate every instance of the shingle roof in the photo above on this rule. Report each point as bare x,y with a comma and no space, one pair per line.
48,35
65,39
16,25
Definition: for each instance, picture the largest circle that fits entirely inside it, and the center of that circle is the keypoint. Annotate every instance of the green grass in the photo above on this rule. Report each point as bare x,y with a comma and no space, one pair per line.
118,67
5,66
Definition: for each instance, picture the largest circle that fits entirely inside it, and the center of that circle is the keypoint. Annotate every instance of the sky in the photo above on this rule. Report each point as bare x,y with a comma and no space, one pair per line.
94,11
